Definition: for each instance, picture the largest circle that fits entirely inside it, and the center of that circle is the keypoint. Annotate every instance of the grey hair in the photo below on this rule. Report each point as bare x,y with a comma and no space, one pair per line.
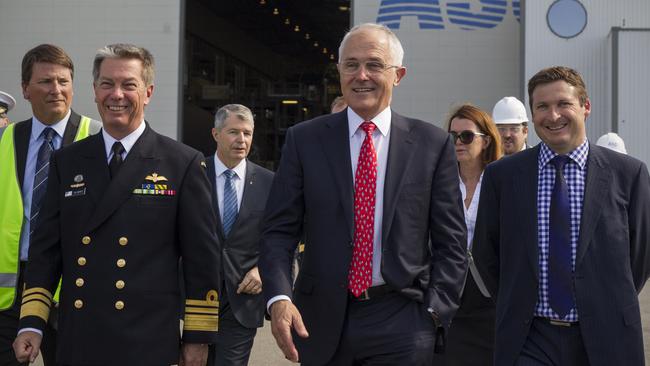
396,49
242,112
126,51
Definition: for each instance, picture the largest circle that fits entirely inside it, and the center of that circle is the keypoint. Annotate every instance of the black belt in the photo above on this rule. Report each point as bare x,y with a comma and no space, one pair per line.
558,323
372,293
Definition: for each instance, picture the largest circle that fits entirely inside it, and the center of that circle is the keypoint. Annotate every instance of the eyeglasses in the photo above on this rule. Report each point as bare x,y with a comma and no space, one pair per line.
371,67
511,129
466,137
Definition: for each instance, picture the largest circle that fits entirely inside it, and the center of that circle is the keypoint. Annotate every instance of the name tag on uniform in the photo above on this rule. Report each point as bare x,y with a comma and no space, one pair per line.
75,193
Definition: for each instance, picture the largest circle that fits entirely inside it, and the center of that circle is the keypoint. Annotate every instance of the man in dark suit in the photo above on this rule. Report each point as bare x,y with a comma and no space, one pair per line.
239,192
568,257
372,189
47,75
122,207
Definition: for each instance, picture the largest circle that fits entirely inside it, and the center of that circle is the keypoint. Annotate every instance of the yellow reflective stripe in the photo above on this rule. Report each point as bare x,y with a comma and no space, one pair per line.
84,128
11,218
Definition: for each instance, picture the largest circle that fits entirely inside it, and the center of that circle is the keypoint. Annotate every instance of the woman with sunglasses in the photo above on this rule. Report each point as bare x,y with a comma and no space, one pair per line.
471,335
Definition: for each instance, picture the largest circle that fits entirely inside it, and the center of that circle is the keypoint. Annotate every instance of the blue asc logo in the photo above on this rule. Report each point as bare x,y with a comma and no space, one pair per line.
484,14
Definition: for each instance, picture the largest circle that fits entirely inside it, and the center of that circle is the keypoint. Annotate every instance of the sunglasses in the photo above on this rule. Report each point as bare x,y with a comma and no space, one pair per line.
466,137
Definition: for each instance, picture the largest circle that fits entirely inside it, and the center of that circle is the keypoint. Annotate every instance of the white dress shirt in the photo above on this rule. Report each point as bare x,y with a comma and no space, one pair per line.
472,210
380,139
127,142
238,180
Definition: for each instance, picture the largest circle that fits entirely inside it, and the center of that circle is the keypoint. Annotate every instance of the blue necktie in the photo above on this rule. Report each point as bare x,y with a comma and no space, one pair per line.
229,202
560,276
40,176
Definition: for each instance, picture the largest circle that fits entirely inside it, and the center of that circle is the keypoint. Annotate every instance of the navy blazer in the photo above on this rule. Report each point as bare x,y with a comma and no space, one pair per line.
313,193
240,251
612,262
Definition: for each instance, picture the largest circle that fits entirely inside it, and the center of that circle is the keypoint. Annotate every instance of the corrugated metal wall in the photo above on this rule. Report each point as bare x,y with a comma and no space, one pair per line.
589,52
633,92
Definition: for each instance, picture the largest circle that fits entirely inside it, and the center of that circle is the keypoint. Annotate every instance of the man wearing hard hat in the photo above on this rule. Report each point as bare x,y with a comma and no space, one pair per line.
509,114
7,103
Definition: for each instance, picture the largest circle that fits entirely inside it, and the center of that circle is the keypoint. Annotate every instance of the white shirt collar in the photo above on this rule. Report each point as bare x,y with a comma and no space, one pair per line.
127,142
59,127
239,169
382,121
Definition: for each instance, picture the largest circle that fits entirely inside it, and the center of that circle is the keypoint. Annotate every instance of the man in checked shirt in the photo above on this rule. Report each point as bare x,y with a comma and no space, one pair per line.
567,277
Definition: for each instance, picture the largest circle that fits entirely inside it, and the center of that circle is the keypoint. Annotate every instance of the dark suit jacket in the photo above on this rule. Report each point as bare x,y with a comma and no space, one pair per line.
158,229
23,131
612,263
421,203
240,251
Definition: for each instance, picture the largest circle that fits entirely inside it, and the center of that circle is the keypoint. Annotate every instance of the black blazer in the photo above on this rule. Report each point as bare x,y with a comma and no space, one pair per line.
240,251
158,229
421,203
612,263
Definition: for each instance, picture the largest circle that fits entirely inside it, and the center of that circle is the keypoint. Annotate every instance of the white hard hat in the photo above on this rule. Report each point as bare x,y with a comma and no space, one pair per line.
612,141
7,101
509,110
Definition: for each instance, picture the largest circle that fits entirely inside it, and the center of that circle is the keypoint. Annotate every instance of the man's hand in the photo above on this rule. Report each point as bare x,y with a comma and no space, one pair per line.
27,345
284,316
193,354
251,284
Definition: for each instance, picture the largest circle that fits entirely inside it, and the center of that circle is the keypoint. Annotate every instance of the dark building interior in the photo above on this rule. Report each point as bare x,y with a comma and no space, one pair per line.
277,57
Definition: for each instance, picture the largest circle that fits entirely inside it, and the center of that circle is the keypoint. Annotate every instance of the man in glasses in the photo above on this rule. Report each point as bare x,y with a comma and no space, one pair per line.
567,258
376,188
509,114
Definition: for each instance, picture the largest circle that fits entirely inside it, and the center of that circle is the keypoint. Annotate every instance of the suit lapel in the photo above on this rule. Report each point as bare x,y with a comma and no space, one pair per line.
525,194
119,189
596,188
22,131
212,175
336,145
400,153
95,168
71,128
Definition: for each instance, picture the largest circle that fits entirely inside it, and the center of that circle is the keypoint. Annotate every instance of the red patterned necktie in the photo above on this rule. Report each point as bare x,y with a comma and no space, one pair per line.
365,181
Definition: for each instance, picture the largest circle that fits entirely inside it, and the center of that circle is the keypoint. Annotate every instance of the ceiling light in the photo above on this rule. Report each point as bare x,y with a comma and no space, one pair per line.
287,21
262,2
325,50
344,8
316,44
289,101
307,36
296,28
276,11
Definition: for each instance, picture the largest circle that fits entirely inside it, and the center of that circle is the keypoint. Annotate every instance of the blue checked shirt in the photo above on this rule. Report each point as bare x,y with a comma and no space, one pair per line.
575,173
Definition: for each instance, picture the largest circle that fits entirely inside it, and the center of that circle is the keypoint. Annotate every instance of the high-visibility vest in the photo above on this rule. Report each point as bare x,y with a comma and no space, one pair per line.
11,213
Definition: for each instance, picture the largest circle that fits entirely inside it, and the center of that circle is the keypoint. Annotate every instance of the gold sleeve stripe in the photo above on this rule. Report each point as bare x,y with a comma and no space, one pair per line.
208,323
211,300
37,296
195,310
35,308
40,290
301,247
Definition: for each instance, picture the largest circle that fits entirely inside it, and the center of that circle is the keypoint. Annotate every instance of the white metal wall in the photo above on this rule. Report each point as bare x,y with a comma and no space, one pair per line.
449,63
589,52
83,26
633,92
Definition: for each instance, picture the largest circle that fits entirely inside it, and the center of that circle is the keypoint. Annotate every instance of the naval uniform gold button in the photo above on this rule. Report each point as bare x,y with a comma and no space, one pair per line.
119,305
119,284
85,240
121,262
78,304
123,241
81,261
79,282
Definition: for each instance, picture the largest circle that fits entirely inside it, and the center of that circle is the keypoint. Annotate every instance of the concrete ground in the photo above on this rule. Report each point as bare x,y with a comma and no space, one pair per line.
266,353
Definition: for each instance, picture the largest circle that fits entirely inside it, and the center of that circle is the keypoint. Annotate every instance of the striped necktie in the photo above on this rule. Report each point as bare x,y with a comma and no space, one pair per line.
40,176
229,202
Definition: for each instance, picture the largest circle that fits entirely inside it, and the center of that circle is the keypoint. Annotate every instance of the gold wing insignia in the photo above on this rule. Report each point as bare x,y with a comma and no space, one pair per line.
155,178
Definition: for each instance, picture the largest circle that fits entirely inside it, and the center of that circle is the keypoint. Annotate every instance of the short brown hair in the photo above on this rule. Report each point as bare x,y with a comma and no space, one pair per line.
126,51
485,125
557,73
44,53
